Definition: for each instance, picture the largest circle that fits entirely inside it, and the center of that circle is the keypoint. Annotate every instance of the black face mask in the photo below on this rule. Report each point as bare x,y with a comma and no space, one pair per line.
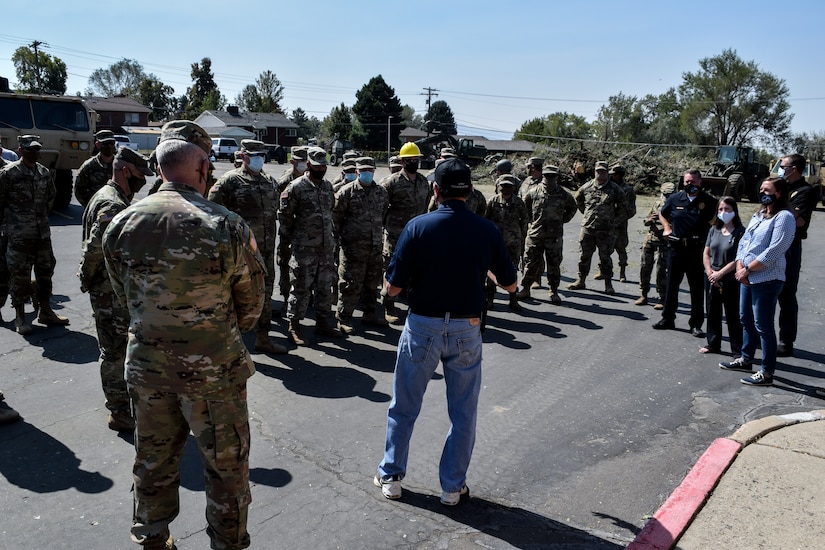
411,167
767,199
107,150
136,184
317,174
691,189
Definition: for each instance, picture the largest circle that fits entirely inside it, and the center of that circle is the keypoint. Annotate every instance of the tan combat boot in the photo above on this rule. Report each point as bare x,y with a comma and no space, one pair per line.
265,345
48,317
296,335
323,327
578,284
121,421
622,274
345,324
642,300
599,276
375,317
391,313
554,296
21,325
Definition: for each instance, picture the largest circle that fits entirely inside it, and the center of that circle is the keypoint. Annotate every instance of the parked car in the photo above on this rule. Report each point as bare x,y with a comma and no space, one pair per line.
124,141
275,152
224,148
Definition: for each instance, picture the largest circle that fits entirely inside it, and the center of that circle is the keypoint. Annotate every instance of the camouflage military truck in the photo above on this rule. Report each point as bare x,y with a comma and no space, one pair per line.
66,126
735,173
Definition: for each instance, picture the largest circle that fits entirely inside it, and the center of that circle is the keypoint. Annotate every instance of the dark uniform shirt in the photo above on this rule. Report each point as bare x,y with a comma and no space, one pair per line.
803,202
690,219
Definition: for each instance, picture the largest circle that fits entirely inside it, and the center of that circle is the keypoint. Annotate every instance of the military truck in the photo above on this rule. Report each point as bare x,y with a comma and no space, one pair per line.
465,149
66,126
735,173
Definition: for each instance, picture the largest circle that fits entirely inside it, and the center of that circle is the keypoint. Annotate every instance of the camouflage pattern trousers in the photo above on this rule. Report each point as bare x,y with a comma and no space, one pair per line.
543,253
591,240
21,255
311,270
360,268
4,269
112,323
653,253
265,320
622,241
220,426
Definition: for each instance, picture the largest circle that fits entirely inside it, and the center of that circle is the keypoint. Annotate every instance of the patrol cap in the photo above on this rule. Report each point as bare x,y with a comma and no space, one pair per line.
186,130
29,141
395,162
348,165
550,170
668,188
316,156
453,175
252,146
299,153
365,163
504,165
447,152
601,165
105,136
131,156
617,169
535,161
506,180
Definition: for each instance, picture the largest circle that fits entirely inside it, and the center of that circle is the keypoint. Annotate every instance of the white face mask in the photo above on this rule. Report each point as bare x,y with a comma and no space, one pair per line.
726,217
256,164
781,172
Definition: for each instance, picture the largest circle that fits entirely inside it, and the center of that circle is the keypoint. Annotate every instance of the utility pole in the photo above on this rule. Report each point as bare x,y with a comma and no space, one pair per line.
430,93
34,45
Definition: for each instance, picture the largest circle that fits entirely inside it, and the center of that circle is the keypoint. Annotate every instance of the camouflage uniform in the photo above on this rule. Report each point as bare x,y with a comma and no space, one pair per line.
255,198
306,223
622,238
358,217
407,199
527,184
91,176
26,196
476,202
283,253
510,216
4,268
654,252
601,206
111,319
548,209
192,278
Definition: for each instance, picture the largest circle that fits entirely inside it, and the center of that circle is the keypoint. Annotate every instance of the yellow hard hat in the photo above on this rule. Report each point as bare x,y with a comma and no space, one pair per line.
409,150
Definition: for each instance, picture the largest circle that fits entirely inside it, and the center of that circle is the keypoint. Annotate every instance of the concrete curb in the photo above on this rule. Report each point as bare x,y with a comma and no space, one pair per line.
672,519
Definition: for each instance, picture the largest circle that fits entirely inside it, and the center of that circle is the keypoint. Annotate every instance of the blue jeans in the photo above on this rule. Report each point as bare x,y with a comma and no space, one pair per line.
424,342
757,307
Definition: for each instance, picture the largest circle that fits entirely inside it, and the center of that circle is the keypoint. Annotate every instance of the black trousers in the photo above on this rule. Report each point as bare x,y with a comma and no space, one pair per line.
685,260
788,305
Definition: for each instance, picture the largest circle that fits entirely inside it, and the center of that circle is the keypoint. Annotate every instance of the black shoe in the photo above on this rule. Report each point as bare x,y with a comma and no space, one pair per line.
697,332
664,325
784,350
736,364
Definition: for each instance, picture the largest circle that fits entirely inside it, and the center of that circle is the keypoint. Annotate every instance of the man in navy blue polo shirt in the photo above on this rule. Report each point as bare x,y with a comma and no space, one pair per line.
442,259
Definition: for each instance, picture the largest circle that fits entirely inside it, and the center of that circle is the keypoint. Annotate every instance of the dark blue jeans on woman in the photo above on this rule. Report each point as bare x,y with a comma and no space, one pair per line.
757,308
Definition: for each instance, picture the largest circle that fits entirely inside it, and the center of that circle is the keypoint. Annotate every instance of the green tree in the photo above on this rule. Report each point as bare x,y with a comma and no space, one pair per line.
264,96
555,125
308,127
531,130
120,78
375,102
412,120
157,96
620,120
203,94
661,115
440,119
337,123
731,102
39,73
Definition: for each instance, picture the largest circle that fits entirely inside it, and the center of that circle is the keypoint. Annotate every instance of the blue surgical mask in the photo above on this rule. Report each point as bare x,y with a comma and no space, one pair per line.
781,172
350,177
301,167
366,177
256,164
725,216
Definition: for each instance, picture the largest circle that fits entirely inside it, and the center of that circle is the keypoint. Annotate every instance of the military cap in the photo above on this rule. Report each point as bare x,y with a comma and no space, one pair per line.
299,153
504,165
348,164
29,141
601,165
395,161
505,180
186,130
252,146
351,155
131,156
550,170
535,161
365,163
617,169
447,152
316,156
668,188
104,136
452,174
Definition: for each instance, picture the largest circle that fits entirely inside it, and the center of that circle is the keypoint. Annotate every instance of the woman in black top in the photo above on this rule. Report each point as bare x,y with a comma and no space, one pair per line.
721,286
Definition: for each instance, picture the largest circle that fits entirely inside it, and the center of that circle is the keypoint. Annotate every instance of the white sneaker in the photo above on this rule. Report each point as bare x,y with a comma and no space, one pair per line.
390,485
451,499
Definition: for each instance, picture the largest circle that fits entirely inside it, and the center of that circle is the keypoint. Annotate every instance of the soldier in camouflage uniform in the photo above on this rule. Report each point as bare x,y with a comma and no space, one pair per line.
533,178
358,216
111,320
616,175
602,203
251,193
549,207
654,251
509,213
346,176
394,164
186,363
409,195
26,195
95,172
4,268
298,161
306,223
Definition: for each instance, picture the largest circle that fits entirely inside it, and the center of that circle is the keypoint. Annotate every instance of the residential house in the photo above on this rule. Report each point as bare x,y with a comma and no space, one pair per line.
266,127
119,113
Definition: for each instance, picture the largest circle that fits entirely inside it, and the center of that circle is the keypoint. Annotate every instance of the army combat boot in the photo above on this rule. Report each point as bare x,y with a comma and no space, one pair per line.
642,300
554,296
390,312
20,324
513,304
578,284
345,324
265,345
599,275
608,287
374,316
622,274
324,327
524,293
296,335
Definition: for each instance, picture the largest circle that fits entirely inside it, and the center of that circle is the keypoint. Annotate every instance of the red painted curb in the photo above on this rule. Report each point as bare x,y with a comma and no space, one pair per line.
670,521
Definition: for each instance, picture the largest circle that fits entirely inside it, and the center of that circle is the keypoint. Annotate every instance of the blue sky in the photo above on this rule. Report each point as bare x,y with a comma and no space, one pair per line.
497,64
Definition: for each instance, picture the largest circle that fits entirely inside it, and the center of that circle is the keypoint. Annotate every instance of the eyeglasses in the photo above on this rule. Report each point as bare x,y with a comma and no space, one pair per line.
788,167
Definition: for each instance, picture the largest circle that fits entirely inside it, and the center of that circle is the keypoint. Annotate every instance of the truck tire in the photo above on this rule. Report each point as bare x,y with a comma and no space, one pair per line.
735,187
63,187
333,159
